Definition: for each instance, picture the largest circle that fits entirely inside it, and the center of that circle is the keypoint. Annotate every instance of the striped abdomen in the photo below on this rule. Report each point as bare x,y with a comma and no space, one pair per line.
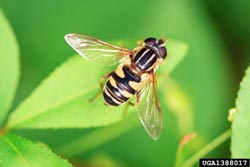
145,59
121,85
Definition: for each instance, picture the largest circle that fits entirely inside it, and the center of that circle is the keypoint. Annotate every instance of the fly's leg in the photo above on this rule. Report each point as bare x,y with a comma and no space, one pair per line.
125,111
131,103
101,86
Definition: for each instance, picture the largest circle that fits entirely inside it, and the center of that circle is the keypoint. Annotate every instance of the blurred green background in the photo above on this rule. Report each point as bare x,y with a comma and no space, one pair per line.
218,35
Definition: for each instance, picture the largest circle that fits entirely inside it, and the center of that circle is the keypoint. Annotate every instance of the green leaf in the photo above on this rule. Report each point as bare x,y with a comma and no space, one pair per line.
62,99
16,151
179,103
240,146
97,137
9,66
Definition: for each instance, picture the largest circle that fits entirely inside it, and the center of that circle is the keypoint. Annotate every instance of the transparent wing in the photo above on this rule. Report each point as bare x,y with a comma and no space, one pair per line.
148,108
96,50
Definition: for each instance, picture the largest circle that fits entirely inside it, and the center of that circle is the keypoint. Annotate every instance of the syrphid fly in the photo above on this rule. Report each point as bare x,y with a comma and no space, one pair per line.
134,76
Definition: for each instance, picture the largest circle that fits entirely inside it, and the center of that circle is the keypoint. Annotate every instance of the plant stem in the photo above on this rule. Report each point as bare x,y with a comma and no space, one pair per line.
185,139
209,147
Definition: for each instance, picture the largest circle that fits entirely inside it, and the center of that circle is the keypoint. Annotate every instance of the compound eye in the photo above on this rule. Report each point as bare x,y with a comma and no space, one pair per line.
163,52
150,41
161,41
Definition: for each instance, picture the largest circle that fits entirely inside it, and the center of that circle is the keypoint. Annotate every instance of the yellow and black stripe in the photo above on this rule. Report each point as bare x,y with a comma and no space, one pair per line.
121,85
125,81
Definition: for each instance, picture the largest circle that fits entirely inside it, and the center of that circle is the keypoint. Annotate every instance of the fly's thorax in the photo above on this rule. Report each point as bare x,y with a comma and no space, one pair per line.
145,59
151,53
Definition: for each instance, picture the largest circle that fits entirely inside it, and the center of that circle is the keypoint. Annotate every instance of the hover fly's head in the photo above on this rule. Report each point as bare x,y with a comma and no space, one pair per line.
157,45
